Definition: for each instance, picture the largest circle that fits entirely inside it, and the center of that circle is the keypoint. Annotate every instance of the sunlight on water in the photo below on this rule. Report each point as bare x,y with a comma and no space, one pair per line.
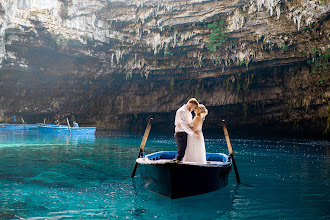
75,177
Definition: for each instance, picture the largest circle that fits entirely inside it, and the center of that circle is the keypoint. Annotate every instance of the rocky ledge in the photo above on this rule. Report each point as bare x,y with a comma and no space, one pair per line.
114,64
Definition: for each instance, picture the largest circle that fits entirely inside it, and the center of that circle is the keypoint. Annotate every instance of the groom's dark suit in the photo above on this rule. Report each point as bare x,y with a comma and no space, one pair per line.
183,117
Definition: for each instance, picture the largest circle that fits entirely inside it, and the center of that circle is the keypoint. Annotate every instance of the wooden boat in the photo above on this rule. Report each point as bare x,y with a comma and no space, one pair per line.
18,126
62,129
159,174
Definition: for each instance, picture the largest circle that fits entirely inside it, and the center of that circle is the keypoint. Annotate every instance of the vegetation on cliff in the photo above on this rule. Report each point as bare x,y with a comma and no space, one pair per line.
320,63
218,35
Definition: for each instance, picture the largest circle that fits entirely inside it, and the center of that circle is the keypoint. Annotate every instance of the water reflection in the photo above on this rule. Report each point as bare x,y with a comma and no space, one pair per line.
147,203
28,138
221,204
87,177
74,140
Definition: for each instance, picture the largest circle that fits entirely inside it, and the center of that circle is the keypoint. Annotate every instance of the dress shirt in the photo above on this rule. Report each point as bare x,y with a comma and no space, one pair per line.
183,117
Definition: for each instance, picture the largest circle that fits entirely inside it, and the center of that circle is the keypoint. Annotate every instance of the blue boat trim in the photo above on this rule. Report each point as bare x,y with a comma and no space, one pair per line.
62,129
167,156
5,126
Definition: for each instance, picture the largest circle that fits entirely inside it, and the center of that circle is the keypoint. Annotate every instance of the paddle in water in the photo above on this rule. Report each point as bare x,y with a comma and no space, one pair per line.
67,120
230,149
143,143
24,123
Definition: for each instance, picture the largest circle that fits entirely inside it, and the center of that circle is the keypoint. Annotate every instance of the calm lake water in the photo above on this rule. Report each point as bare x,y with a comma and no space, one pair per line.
63,177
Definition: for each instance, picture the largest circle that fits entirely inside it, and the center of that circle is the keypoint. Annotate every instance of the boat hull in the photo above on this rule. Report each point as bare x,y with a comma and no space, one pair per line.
55,129
175,180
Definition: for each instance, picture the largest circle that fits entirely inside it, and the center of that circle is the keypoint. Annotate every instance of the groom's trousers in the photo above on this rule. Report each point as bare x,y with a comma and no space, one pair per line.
181,143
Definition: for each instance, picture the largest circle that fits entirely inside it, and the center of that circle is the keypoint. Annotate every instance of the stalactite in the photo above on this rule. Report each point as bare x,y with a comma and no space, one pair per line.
299,21
112,60
118,56
278,12
175,39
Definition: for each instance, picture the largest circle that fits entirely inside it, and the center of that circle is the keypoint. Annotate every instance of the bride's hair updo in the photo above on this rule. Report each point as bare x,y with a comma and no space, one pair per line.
204,111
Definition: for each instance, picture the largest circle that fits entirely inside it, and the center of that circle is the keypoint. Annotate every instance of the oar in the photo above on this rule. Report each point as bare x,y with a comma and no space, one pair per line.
230,149
23,122
143,143
67,120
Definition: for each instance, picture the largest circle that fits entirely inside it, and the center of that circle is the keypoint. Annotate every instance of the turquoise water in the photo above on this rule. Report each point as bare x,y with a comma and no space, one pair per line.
63,177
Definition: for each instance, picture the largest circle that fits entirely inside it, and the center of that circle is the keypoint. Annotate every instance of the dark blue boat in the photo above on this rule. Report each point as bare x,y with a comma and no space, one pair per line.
175,180
62,129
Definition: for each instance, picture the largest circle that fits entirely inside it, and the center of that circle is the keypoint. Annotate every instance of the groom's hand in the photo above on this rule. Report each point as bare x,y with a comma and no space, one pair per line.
196,134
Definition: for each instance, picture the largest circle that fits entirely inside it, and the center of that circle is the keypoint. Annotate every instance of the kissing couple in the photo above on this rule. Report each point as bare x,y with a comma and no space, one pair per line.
188,132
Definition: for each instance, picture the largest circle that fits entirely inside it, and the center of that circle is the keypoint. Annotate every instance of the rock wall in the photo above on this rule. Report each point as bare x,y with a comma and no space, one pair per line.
116,63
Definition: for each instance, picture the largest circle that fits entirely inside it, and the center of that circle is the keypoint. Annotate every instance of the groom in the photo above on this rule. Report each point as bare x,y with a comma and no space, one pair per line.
183,118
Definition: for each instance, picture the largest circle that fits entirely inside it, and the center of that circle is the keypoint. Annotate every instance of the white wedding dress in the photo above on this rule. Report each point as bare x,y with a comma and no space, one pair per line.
195,151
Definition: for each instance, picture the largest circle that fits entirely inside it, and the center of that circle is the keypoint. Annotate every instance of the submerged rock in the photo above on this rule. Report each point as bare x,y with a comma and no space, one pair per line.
40,208
138,212
19,205
6,215
52,178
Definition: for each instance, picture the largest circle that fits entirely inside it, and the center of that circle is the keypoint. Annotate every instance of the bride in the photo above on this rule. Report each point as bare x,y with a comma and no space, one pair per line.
195,151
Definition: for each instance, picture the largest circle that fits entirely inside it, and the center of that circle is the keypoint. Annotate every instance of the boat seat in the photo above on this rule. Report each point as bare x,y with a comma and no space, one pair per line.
167,156
215,159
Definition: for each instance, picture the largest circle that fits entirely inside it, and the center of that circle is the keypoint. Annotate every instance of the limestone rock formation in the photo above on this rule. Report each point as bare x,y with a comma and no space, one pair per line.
116,63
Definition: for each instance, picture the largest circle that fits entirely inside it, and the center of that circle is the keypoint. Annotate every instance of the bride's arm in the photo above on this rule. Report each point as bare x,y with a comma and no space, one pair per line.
196,122
179,125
